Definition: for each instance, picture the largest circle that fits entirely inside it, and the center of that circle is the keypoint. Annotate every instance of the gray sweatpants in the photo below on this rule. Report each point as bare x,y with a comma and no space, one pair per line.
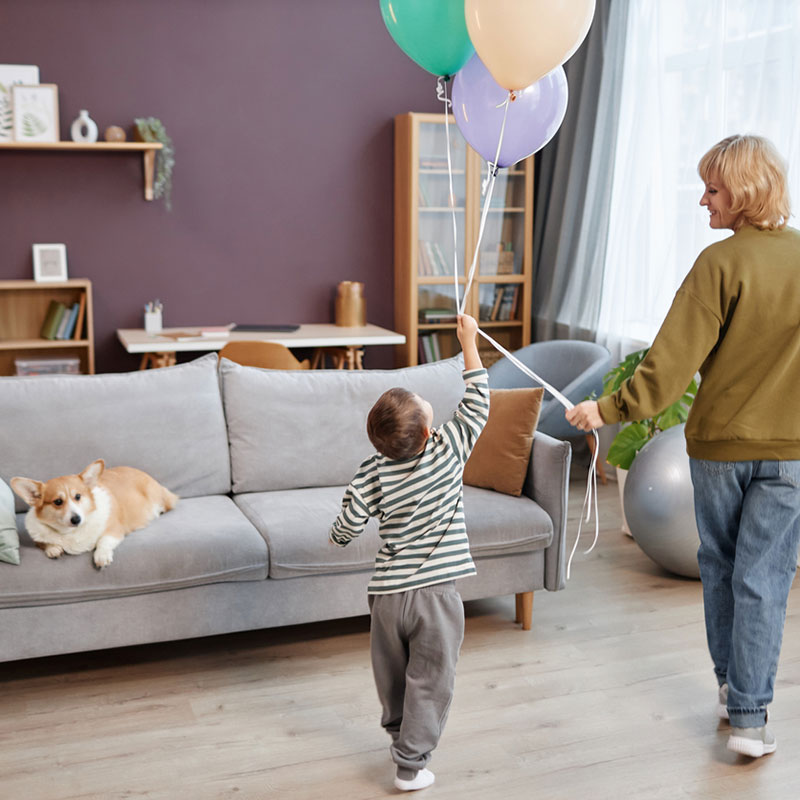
415,637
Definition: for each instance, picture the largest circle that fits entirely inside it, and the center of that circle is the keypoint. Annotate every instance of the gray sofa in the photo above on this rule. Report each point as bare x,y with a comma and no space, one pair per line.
260,459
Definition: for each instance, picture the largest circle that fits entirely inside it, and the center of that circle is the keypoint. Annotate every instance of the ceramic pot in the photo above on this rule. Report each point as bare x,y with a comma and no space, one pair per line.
350,306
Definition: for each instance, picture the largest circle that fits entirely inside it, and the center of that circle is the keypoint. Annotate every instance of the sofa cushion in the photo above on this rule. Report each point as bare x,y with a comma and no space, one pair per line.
296,523
502,453
168,422
291,429
9,538
203,540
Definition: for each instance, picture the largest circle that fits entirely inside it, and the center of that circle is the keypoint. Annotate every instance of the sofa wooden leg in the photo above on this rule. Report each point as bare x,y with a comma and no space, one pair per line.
524,609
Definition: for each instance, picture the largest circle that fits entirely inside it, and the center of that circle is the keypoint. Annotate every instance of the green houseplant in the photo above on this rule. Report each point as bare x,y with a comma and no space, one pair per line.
635,435
150,129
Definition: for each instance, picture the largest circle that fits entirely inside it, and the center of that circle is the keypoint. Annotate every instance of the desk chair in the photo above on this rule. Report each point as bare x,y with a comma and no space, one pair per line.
268,355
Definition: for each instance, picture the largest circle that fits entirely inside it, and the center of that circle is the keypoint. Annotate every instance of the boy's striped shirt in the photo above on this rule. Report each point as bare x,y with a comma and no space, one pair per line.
418,501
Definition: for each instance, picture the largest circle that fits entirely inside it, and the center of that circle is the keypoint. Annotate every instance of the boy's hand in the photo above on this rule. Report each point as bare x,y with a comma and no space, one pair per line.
467,329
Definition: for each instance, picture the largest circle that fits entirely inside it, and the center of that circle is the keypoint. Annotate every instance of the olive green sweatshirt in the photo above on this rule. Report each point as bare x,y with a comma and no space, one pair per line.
736,318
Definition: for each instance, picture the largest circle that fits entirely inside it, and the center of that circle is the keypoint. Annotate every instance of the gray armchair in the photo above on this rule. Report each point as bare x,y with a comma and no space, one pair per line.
575,368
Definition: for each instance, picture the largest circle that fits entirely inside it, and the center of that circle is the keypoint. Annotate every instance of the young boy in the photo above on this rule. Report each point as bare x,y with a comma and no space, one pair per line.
413,485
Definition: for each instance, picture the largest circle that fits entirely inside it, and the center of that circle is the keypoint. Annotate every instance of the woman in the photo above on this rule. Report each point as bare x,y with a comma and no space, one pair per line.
736,318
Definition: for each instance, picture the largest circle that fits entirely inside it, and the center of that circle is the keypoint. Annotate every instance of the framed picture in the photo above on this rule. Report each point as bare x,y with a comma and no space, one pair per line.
35,112
49,262
9,75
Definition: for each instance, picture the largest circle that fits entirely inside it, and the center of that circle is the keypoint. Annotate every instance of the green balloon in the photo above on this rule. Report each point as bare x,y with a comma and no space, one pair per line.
431,32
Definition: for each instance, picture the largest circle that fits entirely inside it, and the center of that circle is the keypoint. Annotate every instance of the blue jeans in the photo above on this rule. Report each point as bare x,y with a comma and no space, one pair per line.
748,518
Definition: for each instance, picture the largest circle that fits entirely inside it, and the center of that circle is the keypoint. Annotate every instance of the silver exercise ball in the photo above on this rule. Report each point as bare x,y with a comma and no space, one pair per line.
659,503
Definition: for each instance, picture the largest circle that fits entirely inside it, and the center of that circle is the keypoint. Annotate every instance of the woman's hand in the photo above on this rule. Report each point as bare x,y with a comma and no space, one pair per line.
585,416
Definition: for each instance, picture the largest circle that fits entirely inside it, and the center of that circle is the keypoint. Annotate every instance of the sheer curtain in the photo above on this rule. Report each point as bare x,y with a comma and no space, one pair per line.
694,73
573,185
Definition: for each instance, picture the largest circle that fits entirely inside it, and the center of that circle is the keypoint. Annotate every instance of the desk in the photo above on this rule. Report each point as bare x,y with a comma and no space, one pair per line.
159,350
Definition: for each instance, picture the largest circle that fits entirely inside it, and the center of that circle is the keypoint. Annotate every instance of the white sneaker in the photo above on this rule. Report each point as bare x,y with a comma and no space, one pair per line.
421,780
753,742
722,708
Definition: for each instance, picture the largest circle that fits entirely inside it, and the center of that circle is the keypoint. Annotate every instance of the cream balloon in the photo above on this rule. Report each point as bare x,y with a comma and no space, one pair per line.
520,41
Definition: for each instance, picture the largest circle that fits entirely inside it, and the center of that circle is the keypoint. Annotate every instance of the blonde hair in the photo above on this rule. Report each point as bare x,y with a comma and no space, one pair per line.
754,173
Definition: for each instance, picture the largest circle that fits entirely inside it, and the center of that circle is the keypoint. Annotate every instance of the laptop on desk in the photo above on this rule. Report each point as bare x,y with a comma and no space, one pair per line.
265,328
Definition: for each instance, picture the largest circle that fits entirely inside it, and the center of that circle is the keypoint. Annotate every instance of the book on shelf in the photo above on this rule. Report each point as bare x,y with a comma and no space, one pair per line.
437,316
431,259
429,348
504,312
77,331
498,300
52,319
68,325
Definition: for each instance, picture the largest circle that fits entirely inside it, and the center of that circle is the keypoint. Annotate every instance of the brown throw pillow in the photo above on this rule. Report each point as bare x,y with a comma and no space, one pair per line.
500,458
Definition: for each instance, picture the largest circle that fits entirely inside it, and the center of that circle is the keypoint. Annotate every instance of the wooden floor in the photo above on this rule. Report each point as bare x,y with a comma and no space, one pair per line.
611,695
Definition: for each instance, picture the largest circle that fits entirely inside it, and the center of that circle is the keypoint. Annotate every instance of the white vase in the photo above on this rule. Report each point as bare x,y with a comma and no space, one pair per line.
84,128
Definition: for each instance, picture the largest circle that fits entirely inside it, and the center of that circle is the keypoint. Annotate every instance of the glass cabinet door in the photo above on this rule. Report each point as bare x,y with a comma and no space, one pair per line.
427,254
434,219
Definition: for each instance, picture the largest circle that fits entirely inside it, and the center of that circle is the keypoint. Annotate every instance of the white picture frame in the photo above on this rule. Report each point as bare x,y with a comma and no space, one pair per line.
35,112
49,263
11,74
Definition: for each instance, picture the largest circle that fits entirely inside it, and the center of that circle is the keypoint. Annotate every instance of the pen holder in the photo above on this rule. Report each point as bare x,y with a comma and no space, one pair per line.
152,321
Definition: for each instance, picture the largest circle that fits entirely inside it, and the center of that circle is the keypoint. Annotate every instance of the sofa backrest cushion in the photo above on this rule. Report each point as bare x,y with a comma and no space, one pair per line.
168,422
299,428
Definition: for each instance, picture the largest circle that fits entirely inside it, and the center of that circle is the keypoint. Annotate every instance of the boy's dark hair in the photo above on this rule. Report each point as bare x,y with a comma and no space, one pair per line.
396,424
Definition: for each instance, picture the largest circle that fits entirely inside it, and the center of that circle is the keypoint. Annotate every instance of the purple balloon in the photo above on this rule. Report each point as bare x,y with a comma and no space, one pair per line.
532,120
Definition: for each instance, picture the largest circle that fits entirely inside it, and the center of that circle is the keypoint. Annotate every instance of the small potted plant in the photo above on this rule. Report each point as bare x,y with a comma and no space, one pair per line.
635,435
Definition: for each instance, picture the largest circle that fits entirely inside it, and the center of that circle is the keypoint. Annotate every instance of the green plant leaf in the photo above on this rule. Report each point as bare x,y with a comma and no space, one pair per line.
627,444
614,379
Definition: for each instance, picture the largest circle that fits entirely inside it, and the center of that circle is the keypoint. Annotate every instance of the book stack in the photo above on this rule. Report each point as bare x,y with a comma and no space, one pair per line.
437,316
63,321
47,366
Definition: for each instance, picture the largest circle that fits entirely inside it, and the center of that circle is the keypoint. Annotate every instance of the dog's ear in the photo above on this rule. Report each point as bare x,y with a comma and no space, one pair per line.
90,475
28,489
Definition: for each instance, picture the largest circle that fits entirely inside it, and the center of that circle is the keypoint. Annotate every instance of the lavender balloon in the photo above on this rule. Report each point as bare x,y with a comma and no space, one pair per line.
532,120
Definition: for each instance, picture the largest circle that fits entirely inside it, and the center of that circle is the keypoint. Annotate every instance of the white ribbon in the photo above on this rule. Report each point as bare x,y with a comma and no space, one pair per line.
590,497
441,94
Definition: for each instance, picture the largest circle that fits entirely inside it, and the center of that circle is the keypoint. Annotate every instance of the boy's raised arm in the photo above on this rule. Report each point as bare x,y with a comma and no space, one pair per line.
467,331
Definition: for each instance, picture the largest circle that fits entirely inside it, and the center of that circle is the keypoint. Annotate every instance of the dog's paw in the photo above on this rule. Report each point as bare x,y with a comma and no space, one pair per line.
102,558
53,551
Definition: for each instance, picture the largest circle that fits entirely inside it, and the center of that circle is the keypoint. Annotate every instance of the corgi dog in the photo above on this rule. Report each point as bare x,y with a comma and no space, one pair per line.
93,510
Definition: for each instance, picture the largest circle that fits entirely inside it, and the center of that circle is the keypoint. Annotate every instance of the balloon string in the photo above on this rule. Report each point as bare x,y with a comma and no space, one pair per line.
490,179
441,94
590,496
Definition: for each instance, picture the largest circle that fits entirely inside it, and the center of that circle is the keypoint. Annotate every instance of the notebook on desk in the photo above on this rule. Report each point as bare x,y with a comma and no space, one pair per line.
265,328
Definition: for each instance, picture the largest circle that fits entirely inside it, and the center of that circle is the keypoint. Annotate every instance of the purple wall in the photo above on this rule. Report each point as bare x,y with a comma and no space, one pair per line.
281,114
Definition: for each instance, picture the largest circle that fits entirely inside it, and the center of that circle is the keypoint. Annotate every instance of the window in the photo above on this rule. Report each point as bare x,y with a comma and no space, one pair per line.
694,73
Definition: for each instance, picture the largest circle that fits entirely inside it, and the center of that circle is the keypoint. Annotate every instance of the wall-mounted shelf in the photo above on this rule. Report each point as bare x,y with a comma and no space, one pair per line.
147,149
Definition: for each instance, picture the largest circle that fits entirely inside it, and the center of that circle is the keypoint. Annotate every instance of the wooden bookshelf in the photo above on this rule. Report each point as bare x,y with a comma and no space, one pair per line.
423,240
147,149
23,307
